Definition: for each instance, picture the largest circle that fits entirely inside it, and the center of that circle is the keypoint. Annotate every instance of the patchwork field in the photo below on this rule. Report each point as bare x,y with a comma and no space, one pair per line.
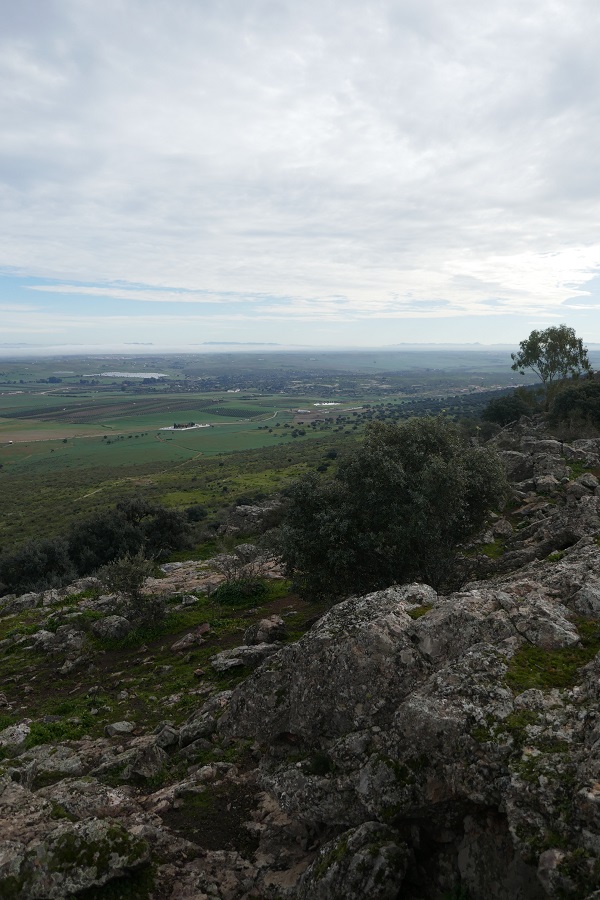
73,439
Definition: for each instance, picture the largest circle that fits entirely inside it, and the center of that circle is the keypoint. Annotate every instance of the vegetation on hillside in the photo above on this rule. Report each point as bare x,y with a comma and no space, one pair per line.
577,407
395,509
553,354
132,527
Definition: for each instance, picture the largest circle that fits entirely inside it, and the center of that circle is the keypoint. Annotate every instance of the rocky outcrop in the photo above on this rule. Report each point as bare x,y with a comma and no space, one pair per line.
441,722
42,856
253,518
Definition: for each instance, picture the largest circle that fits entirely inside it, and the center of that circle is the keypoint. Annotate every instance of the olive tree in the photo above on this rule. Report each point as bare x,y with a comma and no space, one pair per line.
395,509
552,354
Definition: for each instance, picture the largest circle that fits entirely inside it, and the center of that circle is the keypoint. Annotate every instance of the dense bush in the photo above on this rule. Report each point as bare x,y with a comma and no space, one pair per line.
395,509
132,527
577,406
125,575
37,565
196,512
503,410
240,592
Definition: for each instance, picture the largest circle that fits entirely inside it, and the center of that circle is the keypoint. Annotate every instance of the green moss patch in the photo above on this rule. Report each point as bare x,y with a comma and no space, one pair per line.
419,611
329,859
533,667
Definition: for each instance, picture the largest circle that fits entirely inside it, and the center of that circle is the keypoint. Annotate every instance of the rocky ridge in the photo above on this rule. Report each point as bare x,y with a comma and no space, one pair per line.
411,743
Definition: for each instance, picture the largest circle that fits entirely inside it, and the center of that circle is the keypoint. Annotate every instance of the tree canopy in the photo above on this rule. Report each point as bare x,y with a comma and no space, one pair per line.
503,410
552,354
395,509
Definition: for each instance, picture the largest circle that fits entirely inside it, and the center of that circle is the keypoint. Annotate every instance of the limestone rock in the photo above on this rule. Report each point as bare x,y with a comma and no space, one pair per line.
71,857
203,723
15,736
412,723
116,729
112,627
239,657
519,466
267,631
192,639
11,604
66,639
368,861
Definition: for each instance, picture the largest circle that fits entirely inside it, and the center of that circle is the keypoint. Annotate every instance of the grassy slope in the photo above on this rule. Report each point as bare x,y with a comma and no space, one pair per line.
44,495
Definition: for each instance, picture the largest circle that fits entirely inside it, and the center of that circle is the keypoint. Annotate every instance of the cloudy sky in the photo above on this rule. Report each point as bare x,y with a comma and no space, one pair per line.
329,172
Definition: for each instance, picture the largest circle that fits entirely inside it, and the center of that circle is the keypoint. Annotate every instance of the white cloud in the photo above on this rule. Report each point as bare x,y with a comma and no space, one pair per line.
144,294
392,155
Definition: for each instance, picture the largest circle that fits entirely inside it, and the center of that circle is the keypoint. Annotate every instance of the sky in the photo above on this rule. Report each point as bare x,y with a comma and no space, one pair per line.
333,173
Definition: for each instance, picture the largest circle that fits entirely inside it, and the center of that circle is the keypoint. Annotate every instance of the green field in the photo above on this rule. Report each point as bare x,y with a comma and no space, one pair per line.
69,448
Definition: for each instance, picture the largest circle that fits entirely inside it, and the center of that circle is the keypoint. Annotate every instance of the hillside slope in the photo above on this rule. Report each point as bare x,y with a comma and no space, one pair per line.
409,744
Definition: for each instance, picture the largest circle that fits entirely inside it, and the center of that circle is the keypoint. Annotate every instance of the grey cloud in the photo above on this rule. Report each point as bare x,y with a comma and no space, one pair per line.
310,149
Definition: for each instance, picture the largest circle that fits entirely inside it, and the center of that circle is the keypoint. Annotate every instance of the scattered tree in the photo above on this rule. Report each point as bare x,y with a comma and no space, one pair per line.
395,509
553,354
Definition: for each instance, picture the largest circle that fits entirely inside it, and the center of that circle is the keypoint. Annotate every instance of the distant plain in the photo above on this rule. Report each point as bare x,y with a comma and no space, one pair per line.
72,440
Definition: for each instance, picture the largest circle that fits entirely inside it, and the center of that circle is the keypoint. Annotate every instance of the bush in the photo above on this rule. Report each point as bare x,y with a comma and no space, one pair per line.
395,510
577,406
37,565
125,575
196,513
503,410
240,592
131,528
134,526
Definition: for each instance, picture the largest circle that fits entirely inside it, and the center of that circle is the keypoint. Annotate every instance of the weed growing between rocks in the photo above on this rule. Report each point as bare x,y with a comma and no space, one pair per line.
47,732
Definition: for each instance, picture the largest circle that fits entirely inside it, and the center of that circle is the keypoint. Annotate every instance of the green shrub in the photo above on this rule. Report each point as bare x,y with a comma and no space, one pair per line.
37,565
503,410
577,405
395,510
125,575
196,512
132,527
240,592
